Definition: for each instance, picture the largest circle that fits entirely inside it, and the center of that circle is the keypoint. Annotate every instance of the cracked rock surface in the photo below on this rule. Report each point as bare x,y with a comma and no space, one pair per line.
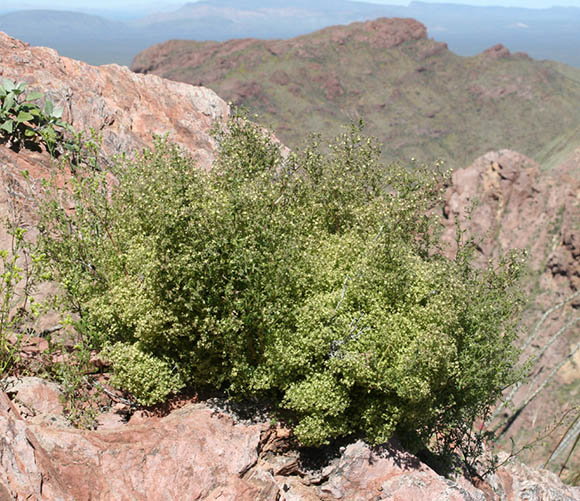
126,109
198,453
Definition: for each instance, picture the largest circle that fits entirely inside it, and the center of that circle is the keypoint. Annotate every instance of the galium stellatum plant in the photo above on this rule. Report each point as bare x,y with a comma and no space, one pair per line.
315,280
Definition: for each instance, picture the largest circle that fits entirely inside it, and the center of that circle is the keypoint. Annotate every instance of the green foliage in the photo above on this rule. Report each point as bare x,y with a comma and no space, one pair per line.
18,270
147,378
80,401
315,280
23,121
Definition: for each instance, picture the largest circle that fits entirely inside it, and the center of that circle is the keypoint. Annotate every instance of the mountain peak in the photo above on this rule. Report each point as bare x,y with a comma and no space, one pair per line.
380,33
497,51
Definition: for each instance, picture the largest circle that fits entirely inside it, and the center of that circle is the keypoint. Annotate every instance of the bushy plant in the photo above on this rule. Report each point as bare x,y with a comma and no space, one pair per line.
315,280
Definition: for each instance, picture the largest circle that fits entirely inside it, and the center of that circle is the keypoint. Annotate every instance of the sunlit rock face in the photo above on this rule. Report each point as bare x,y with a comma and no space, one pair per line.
124,108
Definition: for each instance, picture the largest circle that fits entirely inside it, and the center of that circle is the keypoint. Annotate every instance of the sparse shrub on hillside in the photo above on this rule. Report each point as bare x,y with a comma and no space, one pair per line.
314,280
19,275
11,275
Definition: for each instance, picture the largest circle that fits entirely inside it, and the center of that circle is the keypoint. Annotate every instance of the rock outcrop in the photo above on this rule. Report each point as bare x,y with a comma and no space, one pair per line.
200,452
564,262
507,201
383,33
497,51
124,108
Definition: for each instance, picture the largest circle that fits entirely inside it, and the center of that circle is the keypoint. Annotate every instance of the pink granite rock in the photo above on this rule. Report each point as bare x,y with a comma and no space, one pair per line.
199,453
34,396
126,109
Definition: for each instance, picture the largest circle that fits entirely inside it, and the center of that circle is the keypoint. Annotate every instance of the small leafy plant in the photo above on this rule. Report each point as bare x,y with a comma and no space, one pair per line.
25,123
79,398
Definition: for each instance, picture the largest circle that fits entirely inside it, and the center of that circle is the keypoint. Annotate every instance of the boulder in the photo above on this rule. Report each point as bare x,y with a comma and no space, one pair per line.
124,108
34,396
199,453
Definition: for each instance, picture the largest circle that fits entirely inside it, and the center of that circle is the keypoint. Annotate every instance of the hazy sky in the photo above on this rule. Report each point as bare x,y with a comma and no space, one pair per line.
539,4
122,4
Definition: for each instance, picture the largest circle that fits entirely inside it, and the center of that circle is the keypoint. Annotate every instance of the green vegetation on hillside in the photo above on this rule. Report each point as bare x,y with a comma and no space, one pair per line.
418,98
313,281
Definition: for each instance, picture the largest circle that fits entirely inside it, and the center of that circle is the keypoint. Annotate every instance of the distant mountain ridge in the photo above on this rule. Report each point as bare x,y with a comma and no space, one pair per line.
419,98
543,33
82,36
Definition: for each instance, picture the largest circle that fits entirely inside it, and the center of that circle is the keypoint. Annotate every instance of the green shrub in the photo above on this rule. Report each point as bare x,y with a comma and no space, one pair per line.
315,280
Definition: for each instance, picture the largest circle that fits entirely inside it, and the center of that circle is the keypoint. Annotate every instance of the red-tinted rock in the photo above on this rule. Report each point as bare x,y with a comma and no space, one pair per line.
26,472
198,453
191,454
124,108
34,396
517,481
497,51
110,420
362,474
507,202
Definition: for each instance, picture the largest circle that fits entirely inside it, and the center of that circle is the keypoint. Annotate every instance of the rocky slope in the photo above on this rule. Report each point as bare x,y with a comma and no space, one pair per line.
513,203
200,451
124,108
416,96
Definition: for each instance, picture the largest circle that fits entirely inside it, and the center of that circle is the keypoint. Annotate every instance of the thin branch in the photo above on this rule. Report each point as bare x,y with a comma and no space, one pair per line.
554,338
572,431
531,444
116,398
536,357
539,325
50,330
557,335
550,376
341,295
572,449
